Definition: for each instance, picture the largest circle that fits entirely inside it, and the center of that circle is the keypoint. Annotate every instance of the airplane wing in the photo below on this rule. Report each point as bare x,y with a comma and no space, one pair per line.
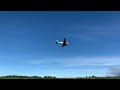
64,42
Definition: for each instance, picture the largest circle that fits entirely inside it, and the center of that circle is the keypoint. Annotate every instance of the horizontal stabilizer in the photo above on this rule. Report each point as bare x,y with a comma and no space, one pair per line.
57,41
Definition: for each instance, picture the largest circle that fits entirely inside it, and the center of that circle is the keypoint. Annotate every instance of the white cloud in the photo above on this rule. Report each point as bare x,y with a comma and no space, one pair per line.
1,67
93,32
76,72
36,62
91,61
78,61
71,66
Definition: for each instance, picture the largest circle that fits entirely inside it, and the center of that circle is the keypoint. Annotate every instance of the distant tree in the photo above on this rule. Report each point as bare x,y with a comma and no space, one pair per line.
45,76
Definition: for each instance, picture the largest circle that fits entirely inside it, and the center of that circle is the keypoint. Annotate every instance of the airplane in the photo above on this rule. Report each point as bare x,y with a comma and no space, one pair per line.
64,43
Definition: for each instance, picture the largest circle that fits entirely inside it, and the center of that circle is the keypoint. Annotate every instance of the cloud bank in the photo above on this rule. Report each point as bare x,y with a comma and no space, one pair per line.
78,61
114,71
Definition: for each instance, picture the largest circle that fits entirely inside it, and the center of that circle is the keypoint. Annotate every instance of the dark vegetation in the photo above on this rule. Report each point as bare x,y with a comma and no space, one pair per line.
26,77
52,77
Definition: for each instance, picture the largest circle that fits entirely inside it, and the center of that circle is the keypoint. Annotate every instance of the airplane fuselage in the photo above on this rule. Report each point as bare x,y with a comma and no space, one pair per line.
59,42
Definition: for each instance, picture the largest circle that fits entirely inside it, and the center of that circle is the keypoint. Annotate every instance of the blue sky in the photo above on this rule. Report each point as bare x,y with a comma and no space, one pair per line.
27,43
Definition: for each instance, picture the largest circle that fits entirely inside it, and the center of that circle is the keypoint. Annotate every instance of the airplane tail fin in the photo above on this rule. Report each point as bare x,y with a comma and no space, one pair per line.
57,41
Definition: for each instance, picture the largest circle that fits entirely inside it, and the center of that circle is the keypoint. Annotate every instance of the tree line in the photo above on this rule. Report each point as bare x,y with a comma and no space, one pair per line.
26,77
53,77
